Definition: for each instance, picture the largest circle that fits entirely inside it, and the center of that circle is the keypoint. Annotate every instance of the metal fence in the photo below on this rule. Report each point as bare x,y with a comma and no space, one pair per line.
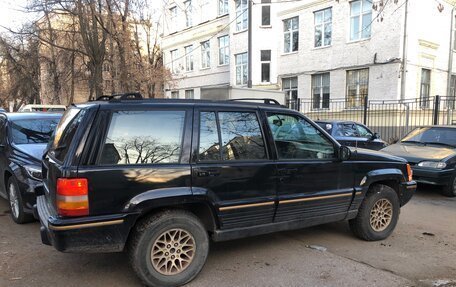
391,119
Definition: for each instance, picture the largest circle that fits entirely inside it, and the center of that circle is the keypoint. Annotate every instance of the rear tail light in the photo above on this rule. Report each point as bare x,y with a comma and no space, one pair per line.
409,173
72,196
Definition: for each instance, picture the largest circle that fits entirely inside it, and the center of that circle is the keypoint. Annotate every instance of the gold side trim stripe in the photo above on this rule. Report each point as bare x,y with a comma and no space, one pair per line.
246,205
358,193
86,225
314,198
411,186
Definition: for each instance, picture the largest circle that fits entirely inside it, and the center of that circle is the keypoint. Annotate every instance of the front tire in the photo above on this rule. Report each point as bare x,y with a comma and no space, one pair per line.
378,215
16,203
450,189
168,248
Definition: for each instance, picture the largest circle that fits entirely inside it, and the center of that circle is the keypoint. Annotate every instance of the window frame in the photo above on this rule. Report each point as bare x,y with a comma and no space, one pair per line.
323,133
189,61
321,89
289,92
291,32
192,91
242,15
188,13
174,61
173,17
359,96
244,68
322,26
360,22
226,50
185,141
425,101
265,11
262,62
222,9
206,54
196,135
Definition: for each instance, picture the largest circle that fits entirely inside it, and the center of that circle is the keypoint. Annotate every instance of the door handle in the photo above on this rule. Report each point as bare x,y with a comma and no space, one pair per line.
207,173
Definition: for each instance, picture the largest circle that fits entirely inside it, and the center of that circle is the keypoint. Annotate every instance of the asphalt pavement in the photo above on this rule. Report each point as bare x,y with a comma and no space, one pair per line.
421,252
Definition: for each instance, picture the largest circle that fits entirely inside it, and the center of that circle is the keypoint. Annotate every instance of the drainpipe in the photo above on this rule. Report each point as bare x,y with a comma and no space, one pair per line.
404,54
249,54
450,54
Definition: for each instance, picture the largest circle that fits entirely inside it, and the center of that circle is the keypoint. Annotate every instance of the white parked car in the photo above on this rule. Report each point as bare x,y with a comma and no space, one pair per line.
42,108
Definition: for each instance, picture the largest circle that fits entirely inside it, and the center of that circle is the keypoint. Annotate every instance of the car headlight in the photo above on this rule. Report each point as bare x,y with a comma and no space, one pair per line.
432,164
33,171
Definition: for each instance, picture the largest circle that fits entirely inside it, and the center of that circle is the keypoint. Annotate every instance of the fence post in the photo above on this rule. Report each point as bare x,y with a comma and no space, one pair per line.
436,110
366,104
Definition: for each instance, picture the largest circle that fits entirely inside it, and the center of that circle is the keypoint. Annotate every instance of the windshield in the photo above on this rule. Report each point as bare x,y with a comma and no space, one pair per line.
33,131
440,136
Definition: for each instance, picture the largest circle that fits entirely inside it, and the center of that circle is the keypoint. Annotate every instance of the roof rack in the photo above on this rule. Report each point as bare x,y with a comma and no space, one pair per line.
121,97
264,100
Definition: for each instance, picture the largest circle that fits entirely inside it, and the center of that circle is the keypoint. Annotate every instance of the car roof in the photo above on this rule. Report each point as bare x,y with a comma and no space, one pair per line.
32,115
184,102
336,122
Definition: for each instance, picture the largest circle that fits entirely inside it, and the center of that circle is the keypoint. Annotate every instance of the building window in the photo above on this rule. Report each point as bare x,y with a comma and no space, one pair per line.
204,7
174,62
189,58
173,17
188,13
241,15
175,95
291,35
265,65
357,87
189,94
266,13
224,50
320,91
452,99
323,27
425,88
360,19
205,55
106,67
290,87
222,7
241,69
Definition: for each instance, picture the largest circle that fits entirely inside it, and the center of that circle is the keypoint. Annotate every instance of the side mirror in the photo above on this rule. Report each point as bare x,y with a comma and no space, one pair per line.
375,136
344,153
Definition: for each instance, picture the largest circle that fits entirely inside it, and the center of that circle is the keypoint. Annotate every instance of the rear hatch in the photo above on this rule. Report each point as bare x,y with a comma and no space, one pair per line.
59,155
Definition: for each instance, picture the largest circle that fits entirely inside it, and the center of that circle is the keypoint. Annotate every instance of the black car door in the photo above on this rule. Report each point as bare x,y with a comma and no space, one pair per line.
370,142
3,155
313,183
231,166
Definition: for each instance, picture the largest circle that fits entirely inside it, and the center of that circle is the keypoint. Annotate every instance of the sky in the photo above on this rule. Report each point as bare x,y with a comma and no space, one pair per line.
12,13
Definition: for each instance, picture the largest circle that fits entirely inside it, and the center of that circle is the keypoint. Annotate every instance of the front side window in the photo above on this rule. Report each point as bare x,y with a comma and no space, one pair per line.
189,58
188,13
291,35
174,61
240,135
364,132
360,19
128,143
222,7
357,87
323,27
224,50
296,138
242,16
425,88
205,55
320,91
290,87
241,69
265,65
32,131
347,130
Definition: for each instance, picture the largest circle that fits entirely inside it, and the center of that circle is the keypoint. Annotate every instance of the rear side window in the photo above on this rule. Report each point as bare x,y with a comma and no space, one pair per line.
240,136
65,131
144,137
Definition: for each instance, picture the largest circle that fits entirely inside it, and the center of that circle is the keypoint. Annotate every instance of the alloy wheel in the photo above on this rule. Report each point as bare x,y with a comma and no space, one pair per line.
381,214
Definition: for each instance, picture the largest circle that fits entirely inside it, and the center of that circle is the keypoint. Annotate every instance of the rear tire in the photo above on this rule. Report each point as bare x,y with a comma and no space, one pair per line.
16,203
450,189
168,248
378,215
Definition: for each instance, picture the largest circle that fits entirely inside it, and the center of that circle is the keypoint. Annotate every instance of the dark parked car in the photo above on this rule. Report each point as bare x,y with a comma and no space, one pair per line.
353,134
23,137
431,151
115,180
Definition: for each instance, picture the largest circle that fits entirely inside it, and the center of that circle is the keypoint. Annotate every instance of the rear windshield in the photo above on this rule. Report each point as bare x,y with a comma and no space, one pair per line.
65,132
33,131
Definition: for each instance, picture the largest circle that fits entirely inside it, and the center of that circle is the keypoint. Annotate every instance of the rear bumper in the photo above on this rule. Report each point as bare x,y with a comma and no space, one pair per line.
406,191
93,234
433,176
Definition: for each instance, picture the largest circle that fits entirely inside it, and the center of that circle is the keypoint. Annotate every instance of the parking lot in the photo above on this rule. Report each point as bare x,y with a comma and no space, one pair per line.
421,252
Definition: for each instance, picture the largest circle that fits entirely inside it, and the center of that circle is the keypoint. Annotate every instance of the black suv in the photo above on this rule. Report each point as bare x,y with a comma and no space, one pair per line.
158,178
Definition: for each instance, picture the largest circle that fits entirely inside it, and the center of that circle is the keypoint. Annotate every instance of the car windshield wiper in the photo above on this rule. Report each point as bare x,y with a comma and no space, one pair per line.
415,142
440,143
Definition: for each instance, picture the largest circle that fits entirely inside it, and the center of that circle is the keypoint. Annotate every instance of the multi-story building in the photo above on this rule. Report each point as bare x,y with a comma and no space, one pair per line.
314,50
